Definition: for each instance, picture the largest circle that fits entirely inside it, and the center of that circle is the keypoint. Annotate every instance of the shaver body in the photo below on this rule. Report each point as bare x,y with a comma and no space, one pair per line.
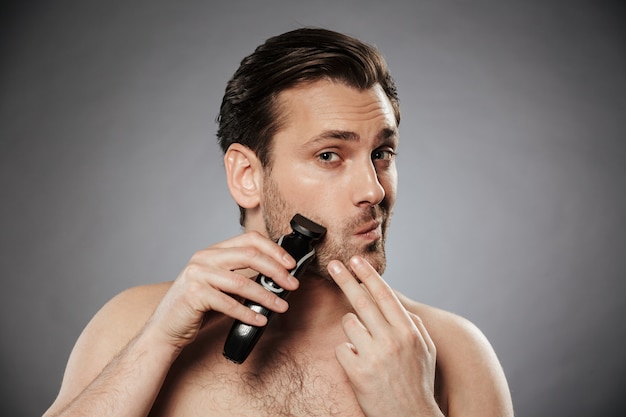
243,337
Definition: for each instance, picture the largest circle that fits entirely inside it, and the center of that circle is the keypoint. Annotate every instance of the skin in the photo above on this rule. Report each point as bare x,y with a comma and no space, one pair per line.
349,344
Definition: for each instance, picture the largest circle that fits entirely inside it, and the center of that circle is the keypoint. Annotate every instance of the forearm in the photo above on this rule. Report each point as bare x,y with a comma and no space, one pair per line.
129,384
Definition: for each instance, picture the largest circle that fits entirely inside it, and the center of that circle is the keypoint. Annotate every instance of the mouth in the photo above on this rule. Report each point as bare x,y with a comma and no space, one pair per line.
369,231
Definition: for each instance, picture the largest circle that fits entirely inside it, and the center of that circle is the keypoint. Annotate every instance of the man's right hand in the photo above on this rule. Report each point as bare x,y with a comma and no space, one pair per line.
117,367
216,279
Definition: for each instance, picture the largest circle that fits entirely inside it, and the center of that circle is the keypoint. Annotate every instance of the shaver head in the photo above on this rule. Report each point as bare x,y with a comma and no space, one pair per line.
307,227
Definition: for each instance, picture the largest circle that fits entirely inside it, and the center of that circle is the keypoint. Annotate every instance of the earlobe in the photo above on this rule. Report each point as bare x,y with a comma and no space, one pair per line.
243,170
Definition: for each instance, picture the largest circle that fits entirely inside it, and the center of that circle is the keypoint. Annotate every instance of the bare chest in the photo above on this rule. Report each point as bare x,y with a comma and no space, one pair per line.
284,385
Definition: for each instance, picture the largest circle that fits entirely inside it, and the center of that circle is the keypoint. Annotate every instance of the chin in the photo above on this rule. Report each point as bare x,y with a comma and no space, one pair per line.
377,259
373,253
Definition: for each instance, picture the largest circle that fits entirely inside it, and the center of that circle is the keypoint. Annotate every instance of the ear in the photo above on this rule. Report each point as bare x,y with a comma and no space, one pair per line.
244,175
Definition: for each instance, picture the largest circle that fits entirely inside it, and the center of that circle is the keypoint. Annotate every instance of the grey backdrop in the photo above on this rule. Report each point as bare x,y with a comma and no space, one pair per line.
512,167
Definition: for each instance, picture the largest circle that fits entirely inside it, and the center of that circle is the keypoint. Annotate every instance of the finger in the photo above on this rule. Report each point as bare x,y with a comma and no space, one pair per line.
361,301
210,299
262,243
428,341
207,288
347,355
357,333
383,295
249,257
233,284
188,301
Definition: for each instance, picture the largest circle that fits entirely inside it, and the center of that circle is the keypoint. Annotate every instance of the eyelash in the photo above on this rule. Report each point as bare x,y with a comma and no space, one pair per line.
325,157
390,154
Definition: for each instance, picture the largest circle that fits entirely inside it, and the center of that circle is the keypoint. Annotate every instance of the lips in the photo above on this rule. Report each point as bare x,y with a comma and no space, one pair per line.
370,230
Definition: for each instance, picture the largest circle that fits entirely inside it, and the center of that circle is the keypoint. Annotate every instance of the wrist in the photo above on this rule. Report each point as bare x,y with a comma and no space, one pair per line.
153,342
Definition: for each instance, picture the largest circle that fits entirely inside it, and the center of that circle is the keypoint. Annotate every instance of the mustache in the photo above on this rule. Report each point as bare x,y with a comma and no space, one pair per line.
337,243
373,213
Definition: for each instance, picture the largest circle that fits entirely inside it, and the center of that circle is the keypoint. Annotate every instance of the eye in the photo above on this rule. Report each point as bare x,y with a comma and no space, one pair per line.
383,155
328,157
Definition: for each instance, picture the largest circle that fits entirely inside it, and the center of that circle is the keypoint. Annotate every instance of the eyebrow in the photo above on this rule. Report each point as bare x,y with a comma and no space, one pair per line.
384,135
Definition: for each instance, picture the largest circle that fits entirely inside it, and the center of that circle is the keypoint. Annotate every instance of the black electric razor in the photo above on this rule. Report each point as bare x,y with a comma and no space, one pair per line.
299,243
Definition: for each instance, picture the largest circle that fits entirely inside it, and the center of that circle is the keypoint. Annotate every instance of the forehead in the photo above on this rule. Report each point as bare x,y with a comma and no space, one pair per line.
329,105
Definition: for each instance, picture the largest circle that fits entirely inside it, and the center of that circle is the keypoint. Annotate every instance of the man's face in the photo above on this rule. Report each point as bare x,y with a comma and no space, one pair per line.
334,162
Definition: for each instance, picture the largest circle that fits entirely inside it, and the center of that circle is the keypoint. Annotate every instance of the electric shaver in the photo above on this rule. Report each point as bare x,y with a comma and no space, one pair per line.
243,337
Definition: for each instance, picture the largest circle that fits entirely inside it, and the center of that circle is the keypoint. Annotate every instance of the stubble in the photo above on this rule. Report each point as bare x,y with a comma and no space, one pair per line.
338,244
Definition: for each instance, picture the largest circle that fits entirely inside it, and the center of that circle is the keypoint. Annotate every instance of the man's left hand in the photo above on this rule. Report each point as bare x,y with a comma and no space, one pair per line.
389,357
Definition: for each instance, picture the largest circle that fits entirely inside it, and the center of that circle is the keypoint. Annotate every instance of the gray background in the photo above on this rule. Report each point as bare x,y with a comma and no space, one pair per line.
512,168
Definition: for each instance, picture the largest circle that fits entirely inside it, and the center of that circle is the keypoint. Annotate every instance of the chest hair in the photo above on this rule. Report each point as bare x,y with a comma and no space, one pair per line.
284,386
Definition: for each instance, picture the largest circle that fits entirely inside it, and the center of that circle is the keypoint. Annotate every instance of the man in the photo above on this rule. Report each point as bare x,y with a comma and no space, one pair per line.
309,125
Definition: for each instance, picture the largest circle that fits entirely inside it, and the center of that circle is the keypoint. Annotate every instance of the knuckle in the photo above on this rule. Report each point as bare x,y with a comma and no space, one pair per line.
417,319
200,255
370,370
192,269
231,306
239,282
193,287
383,294
251,252
362,302
266,295
433,350
391,346
227,306
413,336
254,236
351,321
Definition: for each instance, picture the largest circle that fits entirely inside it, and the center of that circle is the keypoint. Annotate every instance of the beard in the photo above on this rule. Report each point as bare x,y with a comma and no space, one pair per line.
337,243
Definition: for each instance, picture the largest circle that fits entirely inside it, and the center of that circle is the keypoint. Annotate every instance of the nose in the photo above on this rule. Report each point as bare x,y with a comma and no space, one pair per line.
367,189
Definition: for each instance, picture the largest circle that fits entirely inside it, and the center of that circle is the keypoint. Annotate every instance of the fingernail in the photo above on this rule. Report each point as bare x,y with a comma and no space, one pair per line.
281,304
334,267
355,261
261,319
288,259
291,280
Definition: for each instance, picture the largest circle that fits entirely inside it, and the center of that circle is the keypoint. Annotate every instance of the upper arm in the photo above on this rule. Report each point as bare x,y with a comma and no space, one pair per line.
108,332
473,377
471,380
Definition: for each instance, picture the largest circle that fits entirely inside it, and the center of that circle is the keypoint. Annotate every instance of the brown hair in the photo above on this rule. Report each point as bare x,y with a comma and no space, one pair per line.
249,113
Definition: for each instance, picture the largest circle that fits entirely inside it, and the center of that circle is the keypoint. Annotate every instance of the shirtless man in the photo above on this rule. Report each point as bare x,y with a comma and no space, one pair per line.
309,124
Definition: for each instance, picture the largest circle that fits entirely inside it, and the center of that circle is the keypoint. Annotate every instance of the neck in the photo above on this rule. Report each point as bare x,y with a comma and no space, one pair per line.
317,304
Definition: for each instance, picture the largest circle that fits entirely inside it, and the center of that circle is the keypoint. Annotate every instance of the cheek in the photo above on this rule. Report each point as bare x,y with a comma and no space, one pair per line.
307,190
321,202
391,192
389,181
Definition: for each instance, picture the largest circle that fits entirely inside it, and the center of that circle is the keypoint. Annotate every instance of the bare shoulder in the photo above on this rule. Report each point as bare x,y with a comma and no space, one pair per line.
108,332
124,315
472,381
450,330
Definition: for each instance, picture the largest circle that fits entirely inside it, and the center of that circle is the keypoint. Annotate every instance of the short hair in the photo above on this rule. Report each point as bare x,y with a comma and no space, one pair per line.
250,114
